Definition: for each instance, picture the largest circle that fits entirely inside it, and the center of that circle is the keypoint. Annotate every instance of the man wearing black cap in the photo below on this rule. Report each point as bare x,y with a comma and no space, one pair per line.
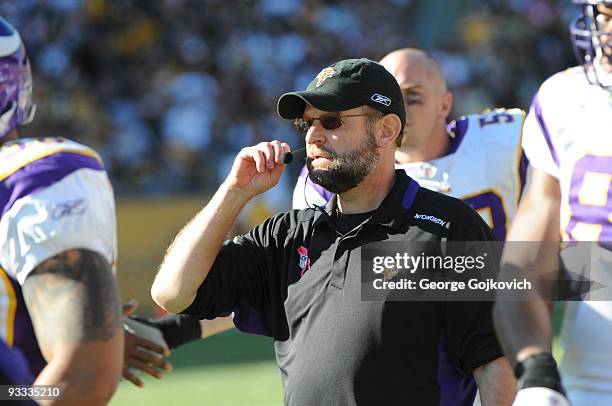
297,278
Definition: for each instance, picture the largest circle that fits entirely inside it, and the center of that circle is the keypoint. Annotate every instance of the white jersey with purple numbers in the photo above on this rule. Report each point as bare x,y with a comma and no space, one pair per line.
54,196
484,166
568,134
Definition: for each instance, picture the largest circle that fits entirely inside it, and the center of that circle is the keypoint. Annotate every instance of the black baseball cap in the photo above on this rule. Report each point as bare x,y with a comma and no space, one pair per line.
346,85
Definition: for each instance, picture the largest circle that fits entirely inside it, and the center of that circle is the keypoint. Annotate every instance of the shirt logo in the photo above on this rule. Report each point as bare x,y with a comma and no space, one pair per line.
69,208
304,260
429,217
379,98
324,74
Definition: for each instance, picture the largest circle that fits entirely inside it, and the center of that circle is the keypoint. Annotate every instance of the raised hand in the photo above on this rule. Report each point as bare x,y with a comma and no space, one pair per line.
258,168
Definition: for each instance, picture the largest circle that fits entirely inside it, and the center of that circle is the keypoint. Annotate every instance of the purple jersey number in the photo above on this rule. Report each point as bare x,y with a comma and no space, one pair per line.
586,208
495,119
492,202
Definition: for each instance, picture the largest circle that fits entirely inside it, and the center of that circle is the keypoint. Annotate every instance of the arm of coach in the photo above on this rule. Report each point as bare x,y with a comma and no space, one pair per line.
193,252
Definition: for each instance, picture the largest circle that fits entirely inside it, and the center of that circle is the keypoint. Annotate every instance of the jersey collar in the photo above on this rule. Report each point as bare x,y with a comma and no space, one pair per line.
392,212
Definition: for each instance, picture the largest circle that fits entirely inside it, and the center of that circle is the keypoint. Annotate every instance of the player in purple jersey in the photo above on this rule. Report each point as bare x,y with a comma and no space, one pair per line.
36,173
567,139
69,291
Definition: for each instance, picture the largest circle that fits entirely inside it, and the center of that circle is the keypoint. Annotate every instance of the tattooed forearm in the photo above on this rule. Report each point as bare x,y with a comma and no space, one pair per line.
73,297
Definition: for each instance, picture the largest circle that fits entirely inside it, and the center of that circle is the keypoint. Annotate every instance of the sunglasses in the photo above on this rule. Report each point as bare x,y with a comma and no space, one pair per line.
331,121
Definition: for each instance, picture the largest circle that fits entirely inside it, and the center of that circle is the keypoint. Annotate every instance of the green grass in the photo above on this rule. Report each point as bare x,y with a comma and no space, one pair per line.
255,383
229,369
226,370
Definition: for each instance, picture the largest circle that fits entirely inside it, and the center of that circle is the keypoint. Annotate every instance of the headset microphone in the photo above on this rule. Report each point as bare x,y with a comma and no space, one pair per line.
287,157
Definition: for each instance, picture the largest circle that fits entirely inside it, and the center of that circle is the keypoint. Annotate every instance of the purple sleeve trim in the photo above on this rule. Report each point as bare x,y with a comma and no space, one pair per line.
537,108
24,336
410,195
13,365
41,174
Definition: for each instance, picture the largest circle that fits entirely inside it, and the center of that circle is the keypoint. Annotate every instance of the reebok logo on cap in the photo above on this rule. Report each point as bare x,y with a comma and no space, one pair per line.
379,98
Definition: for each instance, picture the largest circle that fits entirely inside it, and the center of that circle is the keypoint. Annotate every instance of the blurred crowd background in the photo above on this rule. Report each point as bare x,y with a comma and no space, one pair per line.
169,90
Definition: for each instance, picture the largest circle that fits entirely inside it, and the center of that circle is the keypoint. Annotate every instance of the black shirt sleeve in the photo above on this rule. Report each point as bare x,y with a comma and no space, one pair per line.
469,330
247,275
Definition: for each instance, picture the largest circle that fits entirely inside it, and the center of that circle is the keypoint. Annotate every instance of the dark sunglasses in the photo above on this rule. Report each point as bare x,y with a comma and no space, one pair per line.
331,121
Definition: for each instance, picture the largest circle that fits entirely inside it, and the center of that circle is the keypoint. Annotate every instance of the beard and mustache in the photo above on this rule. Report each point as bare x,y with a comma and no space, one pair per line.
347,169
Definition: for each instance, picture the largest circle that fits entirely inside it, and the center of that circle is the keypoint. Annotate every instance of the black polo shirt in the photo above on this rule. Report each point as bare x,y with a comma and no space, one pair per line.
298,280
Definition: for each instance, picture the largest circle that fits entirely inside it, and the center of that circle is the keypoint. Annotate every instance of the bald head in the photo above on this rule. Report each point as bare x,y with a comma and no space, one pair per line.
426,100
411,65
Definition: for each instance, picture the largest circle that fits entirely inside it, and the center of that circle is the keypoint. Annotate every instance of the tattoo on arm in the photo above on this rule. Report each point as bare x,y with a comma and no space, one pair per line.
71,298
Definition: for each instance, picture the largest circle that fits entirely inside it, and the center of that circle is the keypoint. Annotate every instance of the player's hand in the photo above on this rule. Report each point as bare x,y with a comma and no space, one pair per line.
539,382
258,168
142,354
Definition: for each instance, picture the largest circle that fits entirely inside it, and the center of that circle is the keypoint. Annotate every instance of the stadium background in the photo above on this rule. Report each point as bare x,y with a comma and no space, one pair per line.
169,90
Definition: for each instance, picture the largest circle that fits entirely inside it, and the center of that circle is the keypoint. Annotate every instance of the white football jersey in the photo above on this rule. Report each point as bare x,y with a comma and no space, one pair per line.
568,134
484,166
54,196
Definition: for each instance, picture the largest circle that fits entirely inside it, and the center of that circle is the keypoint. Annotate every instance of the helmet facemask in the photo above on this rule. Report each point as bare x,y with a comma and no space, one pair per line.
593,44
16,106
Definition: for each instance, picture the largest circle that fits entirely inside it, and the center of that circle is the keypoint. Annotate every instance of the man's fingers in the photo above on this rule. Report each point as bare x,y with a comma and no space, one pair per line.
144,367
268,150
260,160
130,307
132,378
266,155
278,152
150,345
152,359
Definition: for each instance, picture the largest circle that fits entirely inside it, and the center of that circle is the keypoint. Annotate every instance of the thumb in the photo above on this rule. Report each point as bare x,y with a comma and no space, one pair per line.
130,307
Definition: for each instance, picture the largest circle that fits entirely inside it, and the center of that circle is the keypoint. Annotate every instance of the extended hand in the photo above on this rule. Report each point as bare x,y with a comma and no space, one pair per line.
258,168
142,354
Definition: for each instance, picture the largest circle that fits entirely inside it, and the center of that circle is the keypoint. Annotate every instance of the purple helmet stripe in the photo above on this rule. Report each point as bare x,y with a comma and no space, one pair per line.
41,174
540,118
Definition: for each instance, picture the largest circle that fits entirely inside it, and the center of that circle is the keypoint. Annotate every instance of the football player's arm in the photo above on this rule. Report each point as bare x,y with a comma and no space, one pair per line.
74,304
524,327
496,383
